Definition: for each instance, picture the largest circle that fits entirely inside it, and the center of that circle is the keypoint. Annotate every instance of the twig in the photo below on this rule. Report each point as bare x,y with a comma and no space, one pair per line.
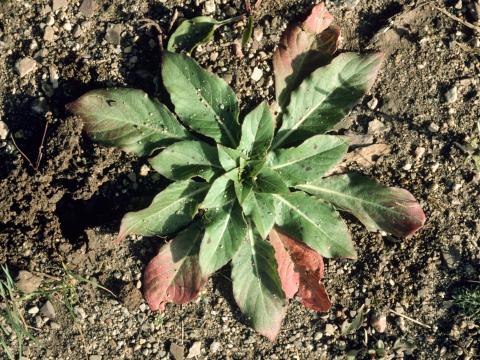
150,23
409,318
456,18
40,154
21,152
173,20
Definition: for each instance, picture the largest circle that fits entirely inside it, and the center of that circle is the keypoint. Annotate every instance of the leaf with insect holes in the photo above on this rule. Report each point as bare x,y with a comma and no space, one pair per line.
303,49
193,32
256,286
257,132
169,211
202,100
225,229
260,207
127,119
310,160
301,269
185,159
315,222
326,96
378,207
174,275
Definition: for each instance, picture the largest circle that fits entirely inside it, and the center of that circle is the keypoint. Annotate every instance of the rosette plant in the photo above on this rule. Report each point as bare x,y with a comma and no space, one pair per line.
252,192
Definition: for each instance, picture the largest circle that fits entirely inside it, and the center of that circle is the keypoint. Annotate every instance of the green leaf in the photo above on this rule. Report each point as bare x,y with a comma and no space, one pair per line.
202,100
247,33
229,158
260,207
243,188
326,96
314,222
169,211
257,132
309,161
221,192
256,285
186,159
378,207
225,229
193,32
268,181
127,119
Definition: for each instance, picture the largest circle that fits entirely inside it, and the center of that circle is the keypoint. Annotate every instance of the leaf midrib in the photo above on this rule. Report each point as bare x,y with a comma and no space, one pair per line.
340,194
308,113
183,198
291,206
215,115
255,260
296,160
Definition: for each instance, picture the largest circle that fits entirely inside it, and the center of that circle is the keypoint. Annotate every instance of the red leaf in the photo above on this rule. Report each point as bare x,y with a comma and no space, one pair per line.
174,275
308,266
286,268
303,49
318,20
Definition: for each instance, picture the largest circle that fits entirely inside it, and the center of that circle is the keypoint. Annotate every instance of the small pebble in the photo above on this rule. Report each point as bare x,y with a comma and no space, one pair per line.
433,127
257,74
451,95
329,329
372,104
209,7
49,34
215,347
3,130
58,4
25,66
88,7
419,152
407,166
379,322
33,310
50,20
48,310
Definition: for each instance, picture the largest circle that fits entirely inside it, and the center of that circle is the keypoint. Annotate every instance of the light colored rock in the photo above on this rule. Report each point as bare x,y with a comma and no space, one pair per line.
48,311
33,310
3,130
209,7
50,19
27,283
195,350
258,33
25,66
67,26
49,34
80,312
215,347
58,4
407,166
95,357
257,74
433,127
419,152
451,95
330,329
88,7
379,322
372,104
177,351
375,126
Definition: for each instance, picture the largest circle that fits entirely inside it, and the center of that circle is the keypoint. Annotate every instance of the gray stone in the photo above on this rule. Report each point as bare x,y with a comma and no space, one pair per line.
451,95
48,311
114,34
372,104
95,357
88,7
375,126
433,127
58,4
25,66
379,322
33,310
26,282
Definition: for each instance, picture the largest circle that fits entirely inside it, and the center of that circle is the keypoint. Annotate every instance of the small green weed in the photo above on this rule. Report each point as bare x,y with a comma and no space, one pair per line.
468,302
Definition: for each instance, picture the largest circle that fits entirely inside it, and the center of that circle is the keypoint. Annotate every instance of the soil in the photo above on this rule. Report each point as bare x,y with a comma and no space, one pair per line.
68,209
